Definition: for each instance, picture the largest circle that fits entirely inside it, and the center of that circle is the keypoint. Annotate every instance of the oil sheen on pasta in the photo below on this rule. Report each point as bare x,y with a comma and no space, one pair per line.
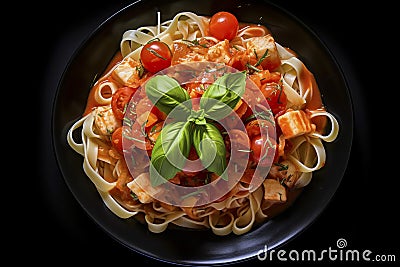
301,120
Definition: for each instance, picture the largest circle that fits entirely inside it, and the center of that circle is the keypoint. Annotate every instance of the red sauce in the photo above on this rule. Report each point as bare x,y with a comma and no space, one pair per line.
91,101
313,103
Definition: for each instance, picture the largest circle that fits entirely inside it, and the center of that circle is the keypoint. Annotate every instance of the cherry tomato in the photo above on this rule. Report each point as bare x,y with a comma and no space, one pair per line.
253,128
262,152
223,25
116,139
156,56
275,96
192,167
120,99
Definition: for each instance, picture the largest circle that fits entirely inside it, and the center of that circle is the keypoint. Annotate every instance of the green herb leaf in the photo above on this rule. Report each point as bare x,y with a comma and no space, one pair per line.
210,148
170,151
166,93
197,116
264,56
222,96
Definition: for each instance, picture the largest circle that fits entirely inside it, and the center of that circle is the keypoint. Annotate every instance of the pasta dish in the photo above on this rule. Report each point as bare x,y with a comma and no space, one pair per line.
202,123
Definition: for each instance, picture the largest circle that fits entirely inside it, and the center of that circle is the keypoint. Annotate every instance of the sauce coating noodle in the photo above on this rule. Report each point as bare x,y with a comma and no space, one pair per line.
299,122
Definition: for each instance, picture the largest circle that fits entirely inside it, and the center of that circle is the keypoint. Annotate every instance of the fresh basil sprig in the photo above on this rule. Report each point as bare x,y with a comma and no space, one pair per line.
210,148
170,151
166,93
222,96
190,127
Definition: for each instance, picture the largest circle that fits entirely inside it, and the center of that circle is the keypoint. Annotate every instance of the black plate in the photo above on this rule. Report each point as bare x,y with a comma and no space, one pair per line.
192,247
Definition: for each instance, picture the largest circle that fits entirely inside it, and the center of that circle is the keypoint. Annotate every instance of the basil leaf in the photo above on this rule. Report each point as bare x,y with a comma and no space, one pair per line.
166,93
210,148
170,151
222,96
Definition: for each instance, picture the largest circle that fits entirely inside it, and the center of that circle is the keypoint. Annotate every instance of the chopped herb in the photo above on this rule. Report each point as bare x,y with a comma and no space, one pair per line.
283,167
260,115
236,47
255,53
154,52
195,42
140,69
142,128
245,150
251,67
154,39
153,129
192,194
127,121
134,196
133,139
262,58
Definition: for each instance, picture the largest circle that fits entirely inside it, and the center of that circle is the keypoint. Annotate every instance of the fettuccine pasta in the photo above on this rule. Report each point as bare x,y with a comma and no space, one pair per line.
300,126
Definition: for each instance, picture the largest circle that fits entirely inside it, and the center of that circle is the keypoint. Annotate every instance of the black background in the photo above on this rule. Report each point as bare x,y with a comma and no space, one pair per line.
364,209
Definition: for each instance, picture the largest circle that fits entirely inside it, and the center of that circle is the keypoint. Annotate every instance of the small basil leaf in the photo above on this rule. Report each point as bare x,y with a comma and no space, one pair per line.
210,148
197,116
222,96
170,151
166,93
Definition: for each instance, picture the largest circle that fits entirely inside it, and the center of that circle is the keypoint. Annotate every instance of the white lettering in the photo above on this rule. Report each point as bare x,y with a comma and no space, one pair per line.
330,254
280,255
366,254
296,254
260,252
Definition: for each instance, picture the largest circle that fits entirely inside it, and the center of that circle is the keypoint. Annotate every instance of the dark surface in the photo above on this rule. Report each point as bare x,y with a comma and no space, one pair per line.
361,210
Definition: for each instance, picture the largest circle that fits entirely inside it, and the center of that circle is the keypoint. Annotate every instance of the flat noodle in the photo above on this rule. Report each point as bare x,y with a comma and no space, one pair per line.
332,135
304,159
115,207
160,224
246,219
185,25
244,206
99,95
221,223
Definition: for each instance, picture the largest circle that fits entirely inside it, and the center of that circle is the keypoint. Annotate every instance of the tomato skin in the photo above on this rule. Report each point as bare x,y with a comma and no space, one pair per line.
262,154
156,56
223,25
120,99
116,139
253,128
275,96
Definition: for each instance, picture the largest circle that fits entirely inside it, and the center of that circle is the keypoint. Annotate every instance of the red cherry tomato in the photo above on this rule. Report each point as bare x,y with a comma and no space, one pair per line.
275,96
156,56
116,139
262,151
223,25
120,99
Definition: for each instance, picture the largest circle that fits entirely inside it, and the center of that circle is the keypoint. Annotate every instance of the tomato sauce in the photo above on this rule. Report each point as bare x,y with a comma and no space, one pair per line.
91,101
